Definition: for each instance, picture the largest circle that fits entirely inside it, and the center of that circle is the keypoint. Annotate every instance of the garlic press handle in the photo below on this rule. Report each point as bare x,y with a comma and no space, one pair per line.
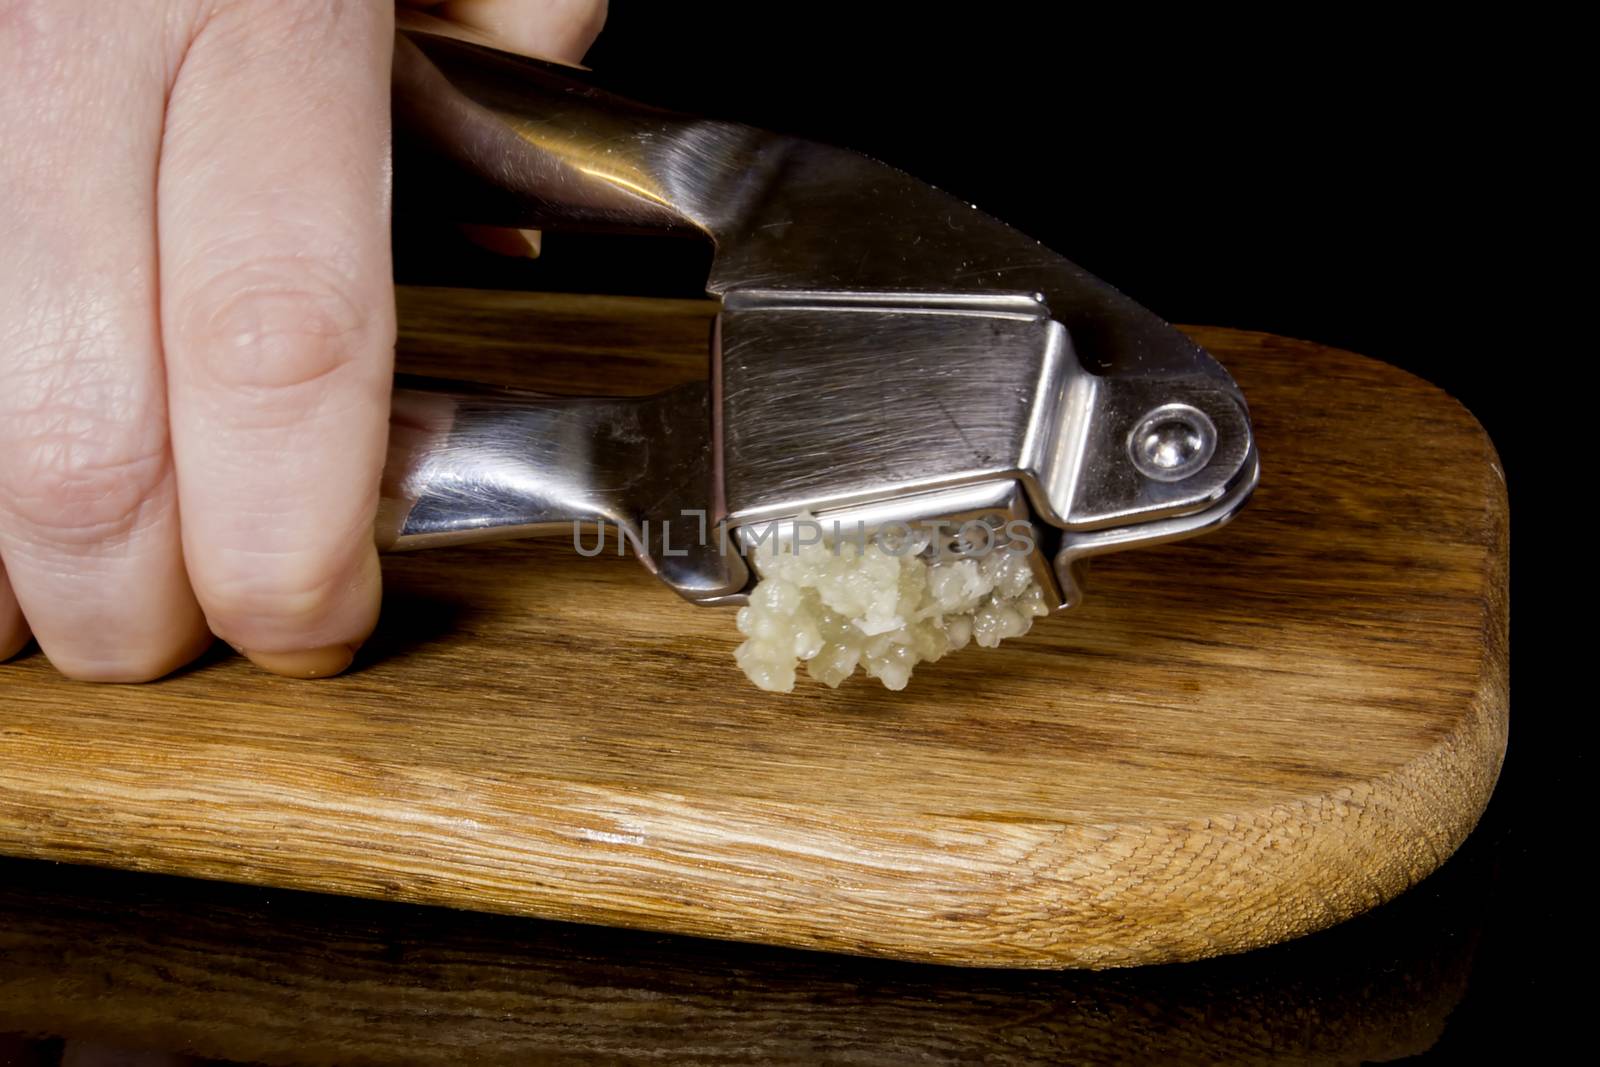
511,141
505,140
483,464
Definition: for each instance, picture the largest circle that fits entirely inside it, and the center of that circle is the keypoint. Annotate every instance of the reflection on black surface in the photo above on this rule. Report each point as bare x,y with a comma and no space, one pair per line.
108,961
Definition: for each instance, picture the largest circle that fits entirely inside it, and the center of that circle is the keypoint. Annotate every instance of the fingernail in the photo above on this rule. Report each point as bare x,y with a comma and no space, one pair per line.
311,663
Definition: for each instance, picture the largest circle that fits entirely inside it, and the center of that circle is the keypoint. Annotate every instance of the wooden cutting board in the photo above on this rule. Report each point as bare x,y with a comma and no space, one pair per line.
1235,740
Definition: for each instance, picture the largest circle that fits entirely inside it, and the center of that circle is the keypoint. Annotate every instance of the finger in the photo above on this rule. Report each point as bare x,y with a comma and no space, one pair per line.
556,29
504,241
278,309
14,633
88,502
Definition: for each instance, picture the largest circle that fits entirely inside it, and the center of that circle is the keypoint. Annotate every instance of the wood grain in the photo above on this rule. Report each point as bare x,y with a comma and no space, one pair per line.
267,976
1234,741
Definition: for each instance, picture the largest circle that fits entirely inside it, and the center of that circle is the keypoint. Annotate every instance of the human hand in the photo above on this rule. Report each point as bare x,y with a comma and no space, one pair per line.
197,321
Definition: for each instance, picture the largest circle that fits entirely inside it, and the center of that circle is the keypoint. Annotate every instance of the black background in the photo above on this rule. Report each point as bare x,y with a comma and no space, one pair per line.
1377,182
1350,179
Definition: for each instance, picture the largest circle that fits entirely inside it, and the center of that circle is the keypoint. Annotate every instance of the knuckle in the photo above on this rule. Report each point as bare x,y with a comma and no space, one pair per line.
83,443
265,332
76,480
87,500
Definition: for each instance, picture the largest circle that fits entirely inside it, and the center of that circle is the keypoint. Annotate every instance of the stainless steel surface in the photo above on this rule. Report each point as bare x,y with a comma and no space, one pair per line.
881,342
495,464
829,401
1077,547
995,503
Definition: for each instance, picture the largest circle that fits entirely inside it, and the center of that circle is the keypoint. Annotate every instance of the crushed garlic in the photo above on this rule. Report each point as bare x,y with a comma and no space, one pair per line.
837,605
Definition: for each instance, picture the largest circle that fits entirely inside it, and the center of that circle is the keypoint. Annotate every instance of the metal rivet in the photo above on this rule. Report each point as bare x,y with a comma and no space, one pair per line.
1172,442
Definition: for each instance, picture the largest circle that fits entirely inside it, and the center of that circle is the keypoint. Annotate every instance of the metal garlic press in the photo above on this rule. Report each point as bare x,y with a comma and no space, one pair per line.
885,353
